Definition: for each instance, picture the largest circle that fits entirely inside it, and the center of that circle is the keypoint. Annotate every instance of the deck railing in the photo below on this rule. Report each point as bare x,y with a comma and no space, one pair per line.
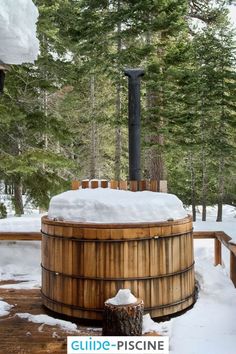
220,238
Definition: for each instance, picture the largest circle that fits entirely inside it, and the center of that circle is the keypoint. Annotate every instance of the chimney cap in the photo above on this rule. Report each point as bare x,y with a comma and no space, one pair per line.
134,72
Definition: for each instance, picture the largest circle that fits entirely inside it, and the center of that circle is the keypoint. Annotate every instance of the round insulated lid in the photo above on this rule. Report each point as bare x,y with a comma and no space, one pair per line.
115,206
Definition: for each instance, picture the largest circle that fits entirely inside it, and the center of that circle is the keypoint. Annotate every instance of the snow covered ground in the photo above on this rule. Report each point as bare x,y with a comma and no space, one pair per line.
228,225
208,328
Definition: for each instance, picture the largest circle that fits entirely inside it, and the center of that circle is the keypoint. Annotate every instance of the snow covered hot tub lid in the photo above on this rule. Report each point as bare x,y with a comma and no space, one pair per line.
115,206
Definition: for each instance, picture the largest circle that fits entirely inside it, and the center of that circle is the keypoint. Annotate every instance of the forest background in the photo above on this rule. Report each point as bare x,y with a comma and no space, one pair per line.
65,116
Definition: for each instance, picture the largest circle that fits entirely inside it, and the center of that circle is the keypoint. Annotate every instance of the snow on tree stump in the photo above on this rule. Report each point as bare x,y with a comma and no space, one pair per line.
123,319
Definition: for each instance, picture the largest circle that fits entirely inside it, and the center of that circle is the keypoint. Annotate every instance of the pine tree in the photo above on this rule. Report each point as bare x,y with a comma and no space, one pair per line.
204,93
31,126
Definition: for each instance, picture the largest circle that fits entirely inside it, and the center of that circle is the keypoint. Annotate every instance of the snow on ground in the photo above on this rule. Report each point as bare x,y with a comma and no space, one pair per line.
150,326
50,321
18,41
30,223
208,328
114,206
20,261
4,308
228,225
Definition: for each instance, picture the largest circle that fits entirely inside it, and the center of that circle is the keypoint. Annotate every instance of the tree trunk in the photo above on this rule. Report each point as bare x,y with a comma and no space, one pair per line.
155,100
118,146
18,201
123,320
204,193
157,164
193,188
45,111
17,184
155,159
219,210
203,157
221,180
93,151
220,190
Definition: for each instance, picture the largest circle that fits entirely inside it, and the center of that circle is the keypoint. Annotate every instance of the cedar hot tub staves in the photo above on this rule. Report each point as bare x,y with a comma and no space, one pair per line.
84,264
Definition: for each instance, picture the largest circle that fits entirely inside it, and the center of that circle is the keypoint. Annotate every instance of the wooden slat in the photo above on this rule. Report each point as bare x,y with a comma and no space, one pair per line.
85,184
20,236
204,234
113,184
224,238
233,267
104,184
163,186
153,185
123,185
75,184
232,248
94,184
218,252
133,186
142,185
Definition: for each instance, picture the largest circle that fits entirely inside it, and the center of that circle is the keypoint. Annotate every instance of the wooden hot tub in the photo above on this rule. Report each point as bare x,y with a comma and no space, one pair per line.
84,264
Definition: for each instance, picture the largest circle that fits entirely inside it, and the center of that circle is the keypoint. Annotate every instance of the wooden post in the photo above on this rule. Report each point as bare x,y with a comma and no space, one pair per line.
163,186
142,185
104,184
123,320
218,254
153,185
85,184
133,186
123,185
233,268
75,184
94,184
113,184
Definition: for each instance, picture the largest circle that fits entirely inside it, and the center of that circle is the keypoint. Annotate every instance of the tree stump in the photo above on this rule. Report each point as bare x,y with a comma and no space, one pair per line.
123,320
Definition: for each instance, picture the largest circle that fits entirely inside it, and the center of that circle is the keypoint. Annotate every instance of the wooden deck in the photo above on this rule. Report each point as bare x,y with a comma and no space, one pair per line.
19,336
